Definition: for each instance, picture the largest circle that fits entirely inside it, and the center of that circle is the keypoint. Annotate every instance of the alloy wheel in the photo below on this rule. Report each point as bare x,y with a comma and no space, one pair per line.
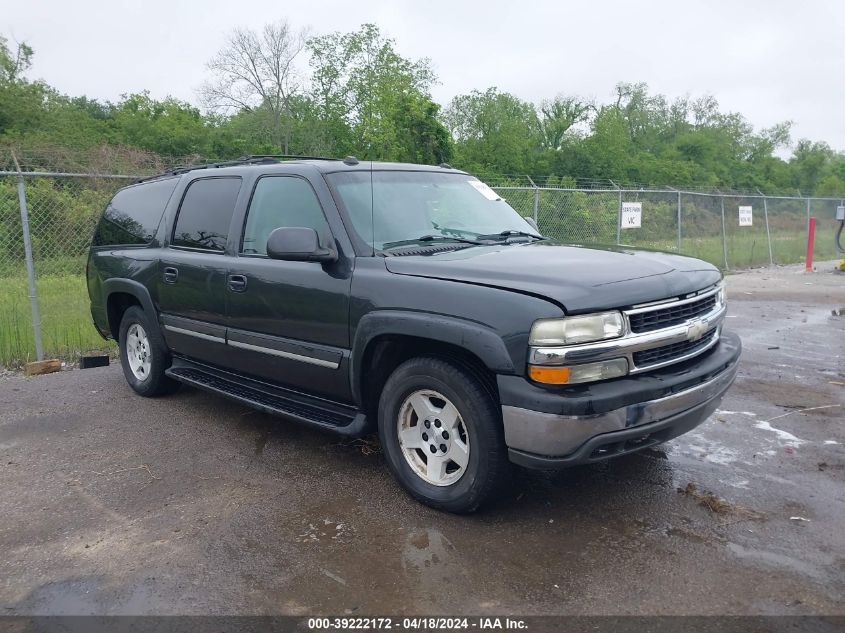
433,437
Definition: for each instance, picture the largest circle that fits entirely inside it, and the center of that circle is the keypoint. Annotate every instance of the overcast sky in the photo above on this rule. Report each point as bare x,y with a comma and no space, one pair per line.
772,61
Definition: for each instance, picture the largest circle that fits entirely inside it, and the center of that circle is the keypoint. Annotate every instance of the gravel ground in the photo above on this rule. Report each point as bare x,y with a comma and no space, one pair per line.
192,504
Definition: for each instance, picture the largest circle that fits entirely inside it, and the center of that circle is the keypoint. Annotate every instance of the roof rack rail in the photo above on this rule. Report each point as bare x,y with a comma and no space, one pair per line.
249,159
288,157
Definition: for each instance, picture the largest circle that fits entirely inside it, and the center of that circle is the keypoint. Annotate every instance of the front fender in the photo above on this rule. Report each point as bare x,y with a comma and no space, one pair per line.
474,337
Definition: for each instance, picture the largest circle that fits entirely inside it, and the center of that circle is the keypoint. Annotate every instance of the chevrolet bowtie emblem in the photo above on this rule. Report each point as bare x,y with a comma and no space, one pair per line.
696,330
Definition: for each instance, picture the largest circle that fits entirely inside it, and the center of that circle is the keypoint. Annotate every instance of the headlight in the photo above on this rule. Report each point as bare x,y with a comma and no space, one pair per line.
588,372
722,294
577,329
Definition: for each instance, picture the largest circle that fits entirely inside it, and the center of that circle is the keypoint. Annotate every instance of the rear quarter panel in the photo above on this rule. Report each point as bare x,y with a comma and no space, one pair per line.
139,264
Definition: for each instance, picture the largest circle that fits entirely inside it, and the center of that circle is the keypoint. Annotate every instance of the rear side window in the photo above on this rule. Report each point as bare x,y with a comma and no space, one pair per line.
133,215
205,214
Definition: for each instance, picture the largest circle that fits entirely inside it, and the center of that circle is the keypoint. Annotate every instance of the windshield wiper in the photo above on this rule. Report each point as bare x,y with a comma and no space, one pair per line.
431,238
480,240
448,230
504,235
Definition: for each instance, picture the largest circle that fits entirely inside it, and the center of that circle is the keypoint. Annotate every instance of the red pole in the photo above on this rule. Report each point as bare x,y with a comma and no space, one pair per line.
811,236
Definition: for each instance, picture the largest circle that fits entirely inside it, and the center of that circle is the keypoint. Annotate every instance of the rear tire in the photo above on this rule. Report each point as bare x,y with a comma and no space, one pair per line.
441,432
143,354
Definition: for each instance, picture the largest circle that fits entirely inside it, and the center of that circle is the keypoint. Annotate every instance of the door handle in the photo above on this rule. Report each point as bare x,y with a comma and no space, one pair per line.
237,283
170,275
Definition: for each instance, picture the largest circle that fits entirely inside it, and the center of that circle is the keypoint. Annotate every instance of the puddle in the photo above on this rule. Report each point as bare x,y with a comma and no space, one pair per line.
784,436
750,414
428,549
325,531
91,596
742,484
710,450
774,559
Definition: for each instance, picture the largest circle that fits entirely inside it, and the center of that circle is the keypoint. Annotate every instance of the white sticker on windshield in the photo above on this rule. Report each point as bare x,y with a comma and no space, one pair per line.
484,190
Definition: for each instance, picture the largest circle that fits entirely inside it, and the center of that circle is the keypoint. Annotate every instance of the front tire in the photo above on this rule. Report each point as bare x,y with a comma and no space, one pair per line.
442,435
143,354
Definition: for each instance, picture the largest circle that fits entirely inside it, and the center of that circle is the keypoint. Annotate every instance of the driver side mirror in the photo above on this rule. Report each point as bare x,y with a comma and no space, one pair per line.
531,221
298,244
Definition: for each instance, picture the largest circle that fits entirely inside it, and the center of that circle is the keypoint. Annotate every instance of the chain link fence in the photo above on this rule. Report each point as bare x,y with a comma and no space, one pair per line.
63,208
61,211
704,225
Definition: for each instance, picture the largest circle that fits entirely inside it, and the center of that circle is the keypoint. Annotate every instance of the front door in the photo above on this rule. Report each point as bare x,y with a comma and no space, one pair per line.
288,321
192,271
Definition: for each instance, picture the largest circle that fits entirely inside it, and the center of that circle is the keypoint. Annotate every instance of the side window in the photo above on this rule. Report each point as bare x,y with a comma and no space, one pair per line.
133,215
280,201
205,214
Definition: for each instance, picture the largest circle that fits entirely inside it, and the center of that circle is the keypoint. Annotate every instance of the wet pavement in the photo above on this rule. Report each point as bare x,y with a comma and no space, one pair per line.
191,504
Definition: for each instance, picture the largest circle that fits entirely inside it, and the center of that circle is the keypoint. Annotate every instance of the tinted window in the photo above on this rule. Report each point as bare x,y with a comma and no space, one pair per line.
205,214
280,201
133,214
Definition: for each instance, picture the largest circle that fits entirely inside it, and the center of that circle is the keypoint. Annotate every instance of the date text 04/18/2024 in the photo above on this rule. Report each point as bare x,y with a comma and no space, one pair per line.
420,623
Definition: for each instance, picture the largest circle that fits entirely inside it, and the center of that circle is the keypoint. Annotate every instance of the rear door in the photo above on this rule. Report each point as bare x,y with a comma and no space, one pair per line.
193,267
289,321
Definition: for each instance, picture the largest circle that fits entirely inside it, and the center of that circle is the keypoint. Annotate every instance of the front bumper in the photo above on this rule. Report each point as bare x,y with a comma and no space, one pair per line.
559,429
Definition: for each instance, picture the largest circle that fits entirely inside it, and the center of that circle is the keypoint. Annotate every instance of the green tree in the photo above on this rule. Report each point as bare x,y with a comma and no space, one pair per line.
13,64
20,100
493,131
169,127
558,116
375,102
810,164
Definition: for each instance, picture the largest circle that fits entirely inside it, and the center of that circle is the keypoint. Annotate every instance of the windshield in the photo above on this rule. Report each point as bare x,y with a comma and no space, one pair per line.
403,206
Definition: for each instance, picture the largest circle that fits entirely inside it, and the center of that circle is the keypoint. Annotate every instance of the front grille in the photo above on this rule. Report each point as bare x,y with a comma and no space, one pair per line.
660,318
673,351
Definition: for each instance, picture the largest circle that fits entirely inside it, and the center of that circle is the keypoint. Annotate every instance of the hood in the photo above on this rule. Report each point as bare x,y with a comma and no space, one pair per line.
578,278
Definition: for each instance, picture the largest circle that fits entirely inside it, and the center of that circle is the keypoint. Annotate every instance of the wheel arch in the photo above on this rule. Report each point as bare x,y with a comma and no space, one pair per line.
120,294
384,340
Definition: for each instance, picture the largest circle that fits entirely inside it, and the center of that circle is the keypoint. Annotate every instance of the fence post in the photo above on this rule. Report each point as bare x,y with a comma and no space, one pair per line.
30,268
724,233
619,218
536,198
679,221
768,235
811,236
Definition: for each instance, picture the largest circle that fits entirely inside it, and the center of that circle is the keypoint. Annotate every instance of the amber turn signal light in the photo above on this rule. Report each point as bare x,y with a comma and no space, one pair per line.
549,375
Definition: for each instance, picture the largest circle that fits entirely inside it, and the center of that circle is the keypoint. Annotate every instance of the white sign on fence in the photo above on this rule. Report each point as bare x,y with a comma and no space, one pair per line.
632,215
745,216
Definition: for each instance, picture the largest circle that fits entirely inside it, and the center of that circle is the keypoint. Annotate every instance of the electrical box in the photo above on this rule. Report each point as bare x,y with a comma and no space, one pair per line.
840,213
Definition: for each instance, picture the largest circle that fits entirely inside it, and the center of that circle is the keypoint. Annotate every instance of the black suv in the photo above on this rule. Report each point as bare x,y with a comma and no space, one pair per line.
411,300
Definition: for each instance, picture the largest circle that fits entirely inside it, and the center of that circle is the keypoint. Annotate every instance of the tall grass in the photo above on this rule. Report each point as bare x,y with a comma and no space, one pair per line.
66,328
747,250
